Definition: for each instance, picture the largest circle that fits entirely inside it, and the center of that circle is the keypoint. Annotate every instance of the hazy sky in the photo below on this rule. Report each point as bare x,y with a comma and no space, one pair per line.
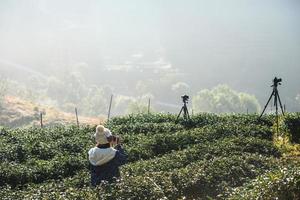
206,40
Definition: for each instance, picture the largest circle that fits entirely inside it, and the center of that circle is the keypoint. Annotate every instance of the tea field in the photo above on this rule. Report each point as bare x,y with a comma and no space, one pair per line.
211,157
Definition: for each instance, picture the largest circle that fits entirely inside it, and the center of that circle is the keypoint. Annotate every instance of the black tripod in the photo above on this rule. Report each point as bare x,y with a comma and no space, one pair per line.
186,115
275,93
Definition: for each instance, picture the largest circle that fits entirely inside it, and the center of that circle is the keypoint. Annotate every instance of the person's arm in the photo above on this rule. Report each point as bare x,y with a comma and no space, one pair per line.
121,156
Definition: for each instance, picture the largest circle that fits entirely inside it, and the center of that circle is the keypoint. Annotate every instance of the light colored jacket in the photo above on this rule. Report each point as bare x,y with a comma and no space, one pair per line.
110,170
99,156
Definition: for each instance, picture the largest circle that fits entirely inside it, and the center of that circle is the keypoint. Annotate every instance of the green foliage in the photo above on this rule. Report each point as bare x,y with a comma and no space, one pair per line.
298,98
282,183
213,178
95,102
213,156
137,107
142,118
223,99
3,88
292,123
203,151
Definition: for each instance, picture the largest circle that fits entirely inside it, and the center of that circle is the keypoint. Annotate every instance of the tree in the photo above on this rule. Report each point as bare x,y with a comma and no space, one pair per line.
121,103
137,107
222,99
75,86
3,90
298,98
56,89
95,103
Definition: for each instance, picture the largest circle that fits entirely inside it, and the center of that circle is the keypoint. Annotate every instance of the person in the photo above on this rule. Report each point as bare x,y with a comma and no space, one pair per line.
104,159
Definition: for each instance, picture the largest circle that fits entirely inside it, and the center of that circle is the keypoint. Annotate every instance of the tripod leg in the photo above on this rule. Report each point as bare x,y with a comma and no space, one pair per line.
266,104
179,113
187,113
280,103
276,106
277,121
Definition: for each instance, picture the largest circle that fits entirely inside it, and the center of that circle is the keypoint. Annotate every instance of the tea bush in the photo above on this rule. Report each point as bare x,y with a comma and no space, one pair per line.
282,183
292,123
212,156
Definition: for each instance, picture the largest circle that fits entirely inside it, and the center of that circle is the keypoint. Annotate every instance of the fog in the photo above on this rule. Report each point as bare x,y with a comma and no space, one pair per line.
137,49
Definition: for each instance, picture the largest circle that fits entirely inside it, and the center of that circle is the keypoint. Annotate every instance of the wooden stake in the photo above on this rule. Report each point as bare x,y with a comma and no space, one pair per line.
149,101
76,113
109,109
41,119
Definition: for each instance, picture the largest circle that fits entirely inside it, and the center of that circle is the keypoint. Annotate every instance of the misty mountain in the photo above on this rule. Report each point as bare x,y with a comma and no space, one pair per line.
139,47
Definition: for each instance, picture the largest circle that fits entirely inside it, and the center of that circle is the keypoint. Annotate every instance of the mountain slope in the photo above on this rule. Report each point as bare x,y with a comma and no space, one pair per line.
17,112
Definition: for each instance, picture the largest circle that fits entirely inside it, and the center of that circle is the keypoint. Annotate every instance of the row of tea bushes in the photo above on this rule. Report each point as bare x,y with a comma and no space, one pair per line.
282,183
198,119
204,151
215,156
292,124
47,147
199,179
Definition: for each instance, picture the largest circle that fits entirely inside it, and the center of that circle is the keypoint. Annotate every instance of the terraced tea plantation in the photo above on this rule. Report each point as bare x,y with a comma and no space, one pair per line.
211,157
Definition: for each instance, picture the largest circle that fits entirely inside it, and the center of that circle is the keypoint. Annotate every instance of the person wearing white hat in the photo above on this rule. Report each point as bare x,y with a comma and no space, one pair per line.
104,159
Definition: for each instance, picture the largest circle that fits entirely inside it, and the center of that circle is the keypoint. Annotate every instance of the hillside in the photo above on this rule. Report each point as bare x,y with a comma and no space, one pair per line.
17,112
211,157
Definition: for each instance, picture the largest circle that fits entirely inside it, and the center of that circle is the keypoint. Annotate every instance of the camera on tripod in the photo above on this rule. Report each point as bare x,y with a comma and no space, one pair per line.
275,94
276,82
184,109
185,98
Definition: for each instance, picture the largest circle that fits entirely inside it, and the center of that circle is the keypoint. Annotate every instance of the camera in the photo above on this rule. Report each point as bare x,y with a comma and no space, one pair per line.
185,98
115,138
277,81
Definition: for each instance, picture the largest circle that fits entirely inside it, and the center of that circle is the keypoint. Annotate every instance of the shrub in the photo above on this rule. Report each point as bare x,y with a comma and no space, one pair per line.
292,122
281,184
